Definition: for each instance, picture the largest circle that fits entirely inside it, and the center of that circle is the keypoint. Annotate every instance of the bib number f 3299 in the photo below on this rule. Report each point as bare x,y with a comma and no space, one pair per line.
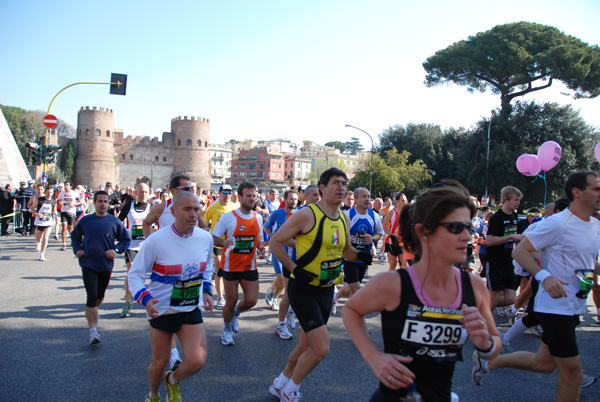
433,333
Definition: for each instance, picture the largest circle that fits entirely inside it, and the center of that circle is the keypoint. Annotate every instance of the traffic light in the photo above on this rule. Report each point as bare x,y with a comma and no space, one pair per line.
36,152
51,154
118,84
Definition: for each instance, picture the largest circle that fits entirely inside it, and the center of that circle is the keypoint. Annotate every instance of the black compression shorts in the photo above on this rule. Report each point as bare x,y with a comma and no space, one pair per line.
312,304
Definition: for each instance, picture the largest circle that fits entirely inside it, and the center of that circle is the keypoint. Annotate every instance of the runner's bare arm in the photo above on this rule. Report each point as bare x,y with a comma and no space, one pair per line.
153,216
300,222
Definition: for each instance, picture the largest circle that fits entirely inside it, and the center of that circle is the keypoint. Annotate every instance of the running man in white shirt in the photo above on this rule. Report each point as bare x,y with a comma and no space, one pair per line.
568,242
179,259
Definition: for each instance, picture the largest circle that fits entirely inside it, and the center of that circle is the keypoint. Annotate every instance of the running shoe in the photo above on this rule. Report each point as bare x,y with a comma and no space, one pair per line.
588,380
290,319
174,361
502,311
126,312
56,237
64,247
289,397
42,258
94,338
282,331
220,303
479,370
512,317
227,337
506,348
367,273
334,308
173,394
537,330
275,305
38,246
235,325
269,298
274,390
155,398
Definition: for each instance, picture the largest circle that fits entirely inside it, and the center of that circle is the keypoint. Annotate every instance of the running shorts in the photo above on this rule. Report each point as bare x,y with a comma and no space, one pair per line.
172,322
312,304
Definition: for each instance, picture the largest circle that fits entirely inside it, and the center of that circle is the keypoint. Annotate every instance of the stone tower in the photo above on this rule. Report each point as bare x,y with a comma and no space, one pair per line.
95,163
190,155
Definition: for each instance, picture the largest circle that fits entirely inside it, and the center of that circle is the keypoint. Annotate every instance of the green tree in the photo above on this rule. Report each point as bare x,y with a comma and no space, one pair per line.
68,160
337,145
391,173
55,173
515,59
353,146
529,126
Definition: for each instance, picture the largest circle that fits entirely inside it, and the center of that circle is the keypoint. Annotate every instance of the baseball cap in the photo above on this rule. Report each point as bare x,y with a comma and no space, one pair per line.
158,190
31,181
225,187
22,182
61,184
302,187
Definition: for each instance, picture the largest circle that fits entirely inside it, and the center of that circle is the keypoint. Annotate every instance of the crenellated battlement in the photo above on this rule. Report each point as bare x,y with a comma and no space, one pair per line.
96,109
191,118
142,141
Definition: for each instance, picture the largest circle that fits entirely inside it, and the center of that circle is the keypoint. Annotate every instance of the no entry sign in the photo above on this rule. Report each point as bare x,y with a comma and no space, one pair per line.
50,121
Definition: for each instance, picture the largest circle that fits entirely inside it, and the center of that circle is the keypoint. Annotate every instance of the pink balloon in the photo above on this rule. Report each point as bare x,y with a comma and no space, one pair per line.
597,151
549,154
528,164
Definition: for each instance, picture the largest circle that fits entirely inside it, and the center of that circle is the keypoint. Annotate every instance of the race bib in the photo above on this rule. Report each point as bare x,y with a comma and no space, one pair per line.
244,245
186,293
359,241
586,281
330,271
137,233
433,333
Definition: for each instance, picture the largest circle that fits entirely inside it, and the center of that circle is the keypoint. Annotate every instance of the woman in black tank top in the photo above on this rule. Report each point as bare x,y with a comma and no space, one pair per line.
428,310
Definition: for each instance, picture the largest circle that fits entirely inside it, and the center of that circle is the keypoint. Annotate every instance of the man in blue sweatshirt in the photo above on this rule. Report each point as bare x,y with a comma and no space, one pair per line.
93,241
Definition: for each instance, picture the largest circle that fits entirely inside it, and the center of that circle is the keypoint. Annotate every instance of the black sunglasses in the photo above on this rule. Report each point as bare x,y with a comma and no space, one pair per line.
456,227
185,188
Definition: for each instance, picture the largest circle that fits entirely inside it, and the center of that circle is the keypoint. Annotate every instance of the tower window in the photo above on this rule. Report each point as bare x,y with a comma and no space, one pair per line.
205,144
98,132
189,142
156,159
108,133
178,142
164,158
130,157
122,156
198,143
87,131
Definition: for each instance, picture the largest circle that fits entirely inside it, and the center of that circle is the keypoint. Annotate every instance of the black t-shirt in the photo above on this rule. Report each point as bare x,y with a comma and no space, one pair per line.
501,224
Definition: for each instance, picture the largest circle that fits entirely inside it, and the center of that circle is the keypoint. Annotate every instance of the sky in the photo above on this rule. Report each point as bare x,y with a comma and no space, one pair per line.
299,70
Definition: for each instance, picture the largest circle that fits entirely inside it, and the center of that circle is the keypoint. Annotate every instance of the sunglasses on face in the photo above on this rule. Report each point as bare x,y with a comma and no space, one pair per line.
456,227
536,214
226,192
184,188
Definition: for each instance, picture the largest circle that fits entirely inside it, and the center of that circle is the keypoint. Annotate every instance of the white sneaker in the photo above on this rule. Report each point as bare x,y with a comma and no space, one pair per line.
64,247
94,338
282,331
220,303
275,305
42,258
38,246
479,370
290,319
227,337
291,397
274,390
334,308
235,325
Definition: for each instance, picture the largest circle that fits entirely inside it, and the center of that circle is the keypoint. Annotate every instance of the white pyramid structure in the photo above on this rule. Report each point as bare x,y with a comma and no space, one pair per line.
12,165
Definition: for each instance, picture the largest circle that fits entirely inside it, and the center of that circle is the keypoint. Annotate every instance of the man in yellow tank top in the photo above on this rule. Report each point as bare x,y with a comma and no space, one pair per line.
321,233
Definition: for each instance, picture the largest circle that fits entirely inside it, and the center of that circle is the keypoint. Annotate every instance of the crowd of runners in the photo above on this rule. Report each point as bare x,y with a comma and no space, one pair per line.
183,243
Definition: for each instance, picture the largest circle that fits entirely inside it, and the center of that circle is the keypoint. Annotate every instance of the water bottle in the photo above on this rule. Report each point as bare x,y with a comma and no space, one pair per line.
412,395
233,245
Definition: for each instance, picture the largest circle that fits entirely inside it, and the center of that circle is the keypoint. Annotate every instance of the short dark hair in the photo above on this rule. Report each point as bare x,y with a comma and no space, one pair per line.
329,173
67,181
561,205
577,180
398,196
288,192
176,180
245,185
99,192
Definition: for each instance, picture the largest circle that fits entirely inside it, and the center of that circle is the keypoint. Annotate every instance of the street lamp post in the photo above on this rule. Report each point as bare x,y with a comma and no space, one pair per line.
371,167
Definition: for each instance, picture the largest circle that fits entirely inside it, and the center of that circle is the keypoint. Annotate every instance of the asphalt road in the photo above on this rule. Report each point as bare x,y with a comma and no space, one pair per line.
44,351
